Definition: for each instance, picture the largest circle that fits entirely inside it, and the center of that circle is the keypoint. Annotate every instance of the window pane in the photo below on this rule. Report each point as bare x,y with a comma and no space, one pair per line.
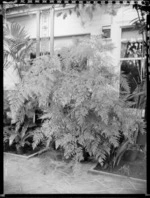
106,33
132,69
130,33
132,50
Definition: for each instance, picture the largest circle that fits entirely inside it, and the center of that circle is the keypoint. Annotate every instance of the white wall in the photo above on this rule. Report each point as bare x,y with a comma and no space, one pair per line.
73,24
70,25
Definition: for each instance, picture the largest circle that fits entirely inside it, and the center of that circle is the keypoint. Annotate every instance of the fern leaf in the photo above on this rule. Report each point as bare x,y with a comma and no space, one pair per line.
37,138
114,141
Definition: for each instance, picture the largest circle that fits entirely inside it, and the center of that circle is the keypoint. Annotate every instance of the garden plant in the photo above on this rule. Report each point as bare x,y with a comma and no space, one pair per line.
17,46
78,94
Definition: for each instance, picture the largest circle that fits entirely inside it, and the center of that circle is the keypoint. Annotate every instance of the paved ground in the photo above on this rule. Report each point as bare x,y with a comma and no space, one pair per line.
28,176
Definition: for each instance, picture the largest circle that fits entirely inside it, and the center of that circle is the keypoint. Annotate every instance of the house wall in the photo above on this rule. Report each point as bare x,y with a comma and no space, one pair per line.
73,24
65,29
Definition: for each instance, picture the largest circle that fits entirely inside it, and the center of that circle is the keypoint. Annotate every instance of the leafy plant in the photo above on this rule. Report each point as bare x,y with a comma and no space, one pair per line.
17,45
125,170
129,143
126,145
78,92
17,132
6,109
20,139
139,95
141,23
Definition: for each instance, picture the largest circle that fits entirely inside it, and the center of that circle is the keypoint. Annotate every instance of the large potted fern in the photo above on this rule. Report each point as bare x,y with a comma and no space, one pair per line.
83,81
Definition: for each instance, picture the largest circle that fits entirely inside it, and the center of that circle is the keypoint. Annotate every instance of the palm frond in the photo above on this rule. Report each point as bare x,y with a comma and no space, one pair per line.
16,42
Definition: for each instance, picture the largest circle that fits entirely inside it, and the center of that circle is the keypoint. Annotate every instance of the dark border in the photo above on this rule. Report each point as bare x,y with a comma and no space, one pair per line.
1,102
148,95
148,104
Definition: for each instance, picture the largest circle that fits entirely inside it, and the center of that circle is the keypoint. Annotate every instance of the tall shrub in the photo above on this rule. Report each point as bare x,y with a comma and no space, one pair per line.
78,92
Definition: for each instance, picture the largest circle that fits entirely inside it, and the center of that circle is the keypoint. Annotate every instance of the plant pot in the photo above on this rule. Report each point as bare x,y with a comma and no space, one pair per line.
19,150
130,155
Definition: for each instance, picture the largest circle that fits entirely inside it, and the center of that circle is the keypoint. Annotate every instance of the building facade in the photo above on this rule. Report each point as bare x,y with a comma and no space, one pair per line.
117,28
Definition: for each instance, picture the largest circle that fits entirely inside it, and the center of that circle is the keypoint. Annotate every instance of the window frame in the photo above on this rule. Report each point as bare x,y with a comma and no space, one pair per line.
130,40
137,111
107,27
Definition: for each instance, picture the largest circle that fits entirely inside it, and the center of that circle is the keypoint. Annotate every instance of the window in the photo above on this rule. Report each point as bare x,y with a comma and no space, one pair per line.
132,58
106,32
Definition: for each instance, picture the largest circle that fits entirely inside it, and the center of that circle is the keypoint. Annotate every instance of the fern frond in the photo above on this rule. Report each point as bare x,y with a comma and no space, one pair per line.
114,141
37,138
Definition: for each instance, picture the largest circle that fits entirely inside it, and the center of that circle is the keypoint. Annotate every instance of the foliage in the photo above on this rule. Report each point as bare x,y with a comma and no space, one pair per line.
18,132
20,139
89,9
140,23
17,45
125,170
126,145
6,109
78,92
140,95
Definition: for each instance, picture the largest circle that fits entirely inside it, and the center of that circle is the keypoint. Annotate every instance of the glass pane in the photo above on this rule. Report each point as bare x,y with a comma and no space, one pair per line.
130,33
106,33
133,71
132,50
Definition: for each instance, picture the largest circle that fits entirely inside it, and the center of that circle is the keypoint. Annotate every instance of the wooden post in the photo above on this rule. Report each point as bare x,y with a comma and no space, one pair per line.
38,33
52,13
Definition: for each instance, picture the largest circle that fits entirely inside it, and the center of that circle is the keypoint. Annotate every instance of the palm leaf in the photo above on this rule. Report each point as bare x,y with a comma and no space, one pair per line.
15,31
120,152
16,43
